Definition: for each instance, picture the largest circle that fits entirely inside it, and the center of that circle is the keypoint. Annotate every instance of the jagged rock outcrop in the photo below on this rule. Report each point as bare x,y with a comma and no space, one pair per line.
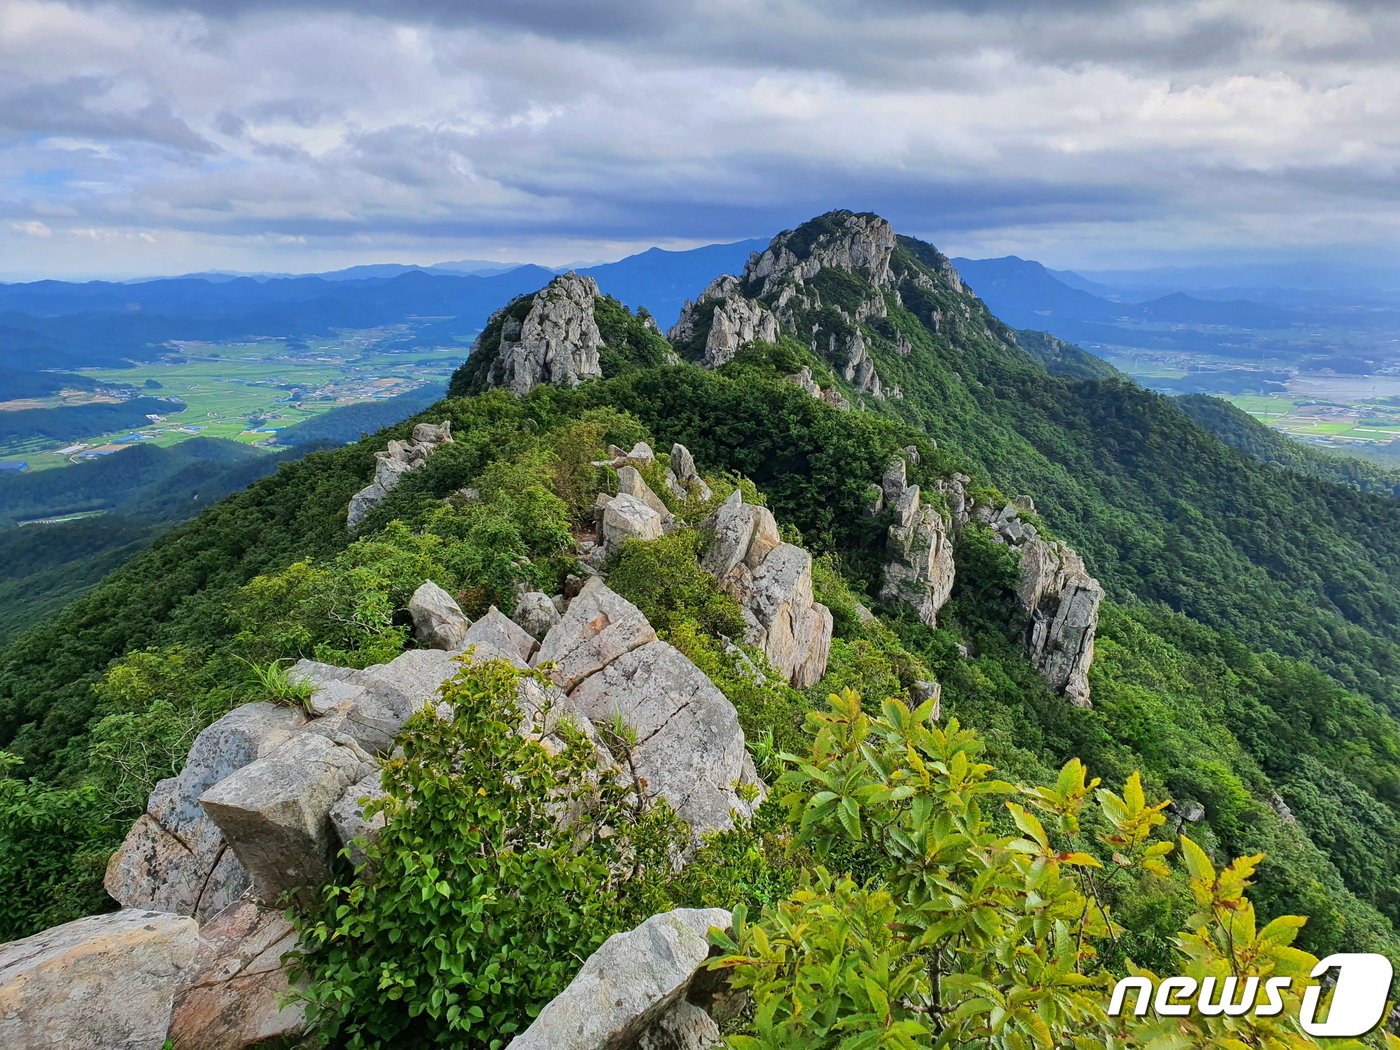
854,243
175,859
635,992
682,479
556,343
98,983
919,570
773,295
1063,602
438,622
735,319
393,463
772,582
1060,598
597,627
803,378
860,369
631,483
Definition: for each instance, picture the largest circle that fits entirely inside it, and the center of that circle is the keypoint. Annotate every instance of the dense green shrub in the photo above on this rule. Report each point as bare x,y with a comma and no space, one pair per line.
475,904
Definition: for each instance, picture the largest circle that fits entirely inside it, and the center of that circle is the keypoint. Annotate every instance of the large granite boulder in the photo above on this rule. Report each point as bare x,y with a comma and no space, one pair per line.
231,995
633,991
275,812
625,518
556,343
690,749
106,982
598,626
438,622
175,859
1062,601
793,629
631,483
498,633
682,479
535,613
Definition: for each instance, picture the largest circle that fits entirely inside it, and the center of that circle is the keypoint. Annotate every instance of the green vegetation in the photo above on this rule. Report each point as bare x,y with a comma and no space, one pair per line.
471,909
1244,664
1240,430
973,924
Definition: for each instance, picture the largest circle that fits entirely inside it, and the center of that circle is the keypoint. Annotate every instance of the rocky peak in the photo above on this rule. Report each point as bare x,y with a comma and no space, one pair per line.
556,342
859,244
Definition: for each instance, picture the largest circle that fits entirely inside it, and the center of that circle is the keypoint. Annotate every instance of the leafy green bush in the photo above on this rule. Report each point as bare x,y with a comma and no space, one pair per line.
980,926
503,864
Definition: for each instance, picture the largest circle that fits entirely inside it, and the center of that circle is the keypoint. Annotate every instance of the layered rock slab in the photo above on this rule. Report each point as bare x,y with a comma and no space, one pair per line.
230,996
556,343
690,749
274,813
99,983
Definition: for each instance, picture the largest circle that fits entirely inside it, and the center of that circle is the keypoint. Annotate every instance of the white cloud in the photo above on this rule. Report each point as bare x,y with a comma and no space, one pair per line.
276,136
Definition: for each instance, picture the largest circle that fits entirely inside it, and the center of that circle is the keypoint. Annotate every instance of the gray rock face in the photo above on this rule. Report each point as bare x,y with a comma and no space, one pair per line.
556,344
690,749
275,812
438,622
803,378
625,518
100,983
348,818
598,626
860,369
736,320
682,479
631,483
860,244
497,631
393,463
174,859
1060,598
772,582
919,571
229,996
1064,615
535,613
632,991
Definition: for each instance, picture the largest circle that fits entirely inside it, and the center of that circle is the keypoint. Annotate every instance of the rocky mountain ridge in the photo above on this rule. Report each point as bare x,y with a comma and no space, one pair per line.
269,793
854,257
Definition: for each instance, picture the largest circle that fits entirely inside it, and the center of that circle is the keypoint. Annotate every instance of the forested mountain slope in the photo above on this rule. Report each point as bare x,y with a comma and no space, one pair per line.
1240,430
1243,660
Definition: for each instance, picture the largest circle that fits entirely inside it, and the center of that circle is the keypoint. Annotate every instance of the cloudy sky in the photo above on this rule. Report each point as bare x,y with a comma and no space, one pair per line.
173,135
